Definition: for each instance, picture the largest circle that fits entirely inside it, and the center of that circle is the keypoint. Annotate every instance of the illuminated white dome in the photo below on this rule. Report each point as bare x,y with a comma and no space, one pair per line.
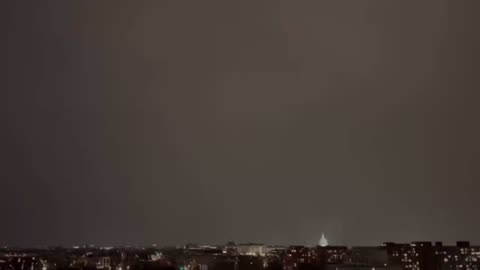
323,241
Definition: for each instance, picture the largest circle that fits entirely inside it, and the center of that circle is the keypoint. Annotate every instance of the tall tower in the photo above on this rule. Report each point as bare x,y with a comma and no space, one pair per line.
323,242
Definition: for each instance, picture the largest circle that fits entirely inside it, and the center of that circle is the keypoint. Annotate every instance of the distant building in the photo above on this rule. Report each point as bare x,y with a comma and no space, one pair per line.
428,256
252,249
395,253
92,261
274,250
371,256
331,254
323,242
460,257
296,256
21,262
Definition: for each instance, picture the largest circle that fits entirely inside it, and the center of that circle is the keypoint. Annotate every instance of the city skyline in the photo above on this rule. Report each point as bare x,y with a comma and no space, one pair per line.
322,242
418,255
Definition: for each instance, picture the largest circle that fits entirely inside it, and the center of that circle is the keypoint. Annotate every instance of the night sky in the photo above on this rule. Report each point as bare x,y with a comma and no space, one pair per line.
169,122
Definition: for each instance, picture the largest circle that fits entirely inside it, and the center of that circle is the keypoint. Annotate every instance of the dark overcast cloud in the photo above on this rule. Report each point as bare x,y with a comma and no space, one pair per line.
208,121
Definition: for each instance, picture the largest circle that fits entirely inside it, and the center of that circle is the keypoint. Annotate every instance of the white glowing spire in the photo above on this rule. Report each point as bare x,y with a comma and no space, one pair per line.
323,241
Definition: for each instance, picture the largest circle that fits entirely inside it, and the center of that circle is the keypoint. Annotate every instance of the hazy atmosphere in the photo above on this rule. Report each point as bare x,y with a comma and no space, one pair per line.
139,122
